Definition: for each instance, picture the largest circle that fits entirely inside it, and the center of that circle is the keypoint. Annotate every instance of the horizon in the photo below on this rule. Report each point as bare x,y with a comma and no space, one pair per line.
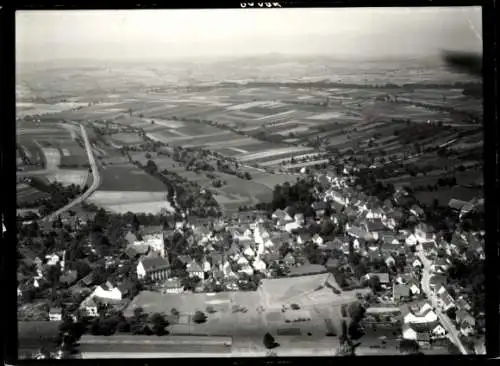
164,35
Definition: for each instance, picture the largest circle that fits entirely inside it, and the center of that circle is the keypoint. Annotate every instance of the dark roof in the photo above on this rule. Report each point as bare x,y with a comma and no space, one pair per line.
216,258
357,232
88,279
375,225
428,245
383,277
69,277
334,244
130,237
155,264
148,230
319,205
55,310
184,259
425,228
464,316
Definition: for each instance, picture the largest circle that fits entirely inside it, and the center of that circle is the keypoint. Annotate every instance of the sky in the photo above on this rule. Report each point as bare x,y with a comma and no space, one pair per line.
173,34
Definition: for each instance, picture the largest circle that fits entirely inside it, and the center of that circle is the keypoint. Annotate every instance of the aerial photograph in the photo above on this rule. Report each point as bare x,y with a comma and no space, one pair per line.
249,183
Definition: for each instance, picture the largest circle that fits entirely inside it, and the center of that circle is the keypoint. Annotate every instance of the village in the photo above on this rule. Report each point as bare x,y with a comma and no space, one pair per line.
200,276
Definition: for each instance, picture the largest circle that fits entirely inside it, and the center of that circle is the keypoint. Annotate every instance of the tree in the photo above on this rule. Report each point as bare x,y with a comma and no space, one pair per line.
159,323
357,311
199,317
269,341
408,346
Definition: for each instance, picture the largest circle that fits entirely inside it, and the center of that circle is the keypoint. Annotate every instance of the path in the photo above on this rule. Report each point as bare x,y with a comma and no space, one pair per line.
95,182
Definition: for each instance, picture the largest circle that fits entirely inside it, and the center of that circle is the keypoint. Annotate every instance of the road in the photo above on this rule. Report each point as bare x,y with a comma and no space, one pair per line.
96,181
453,333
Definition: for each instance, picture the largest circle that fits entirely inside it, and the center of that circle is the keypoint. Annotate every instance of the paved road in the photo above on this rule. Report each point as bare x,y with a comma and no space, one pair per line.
95,182
453,333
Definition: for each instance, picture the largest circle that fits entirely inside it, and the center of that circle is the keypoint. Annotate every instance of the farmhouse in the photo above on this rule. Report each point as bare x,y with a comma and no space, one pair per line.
445,301
195,270
400,292
153,268
424,232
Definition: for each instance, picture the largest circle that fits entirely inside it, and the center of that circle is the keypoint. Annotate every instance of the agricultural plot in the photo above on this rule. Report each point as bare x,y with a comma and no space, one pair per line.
126,138
127,177
273,162
68,177
30,151
271,154
28,194
73,156
52,157
445,195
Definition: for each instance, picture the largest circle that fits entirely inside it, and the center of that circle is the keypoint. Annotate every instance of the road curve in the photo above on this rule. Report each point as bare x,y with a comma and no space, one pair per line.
95,182
444,319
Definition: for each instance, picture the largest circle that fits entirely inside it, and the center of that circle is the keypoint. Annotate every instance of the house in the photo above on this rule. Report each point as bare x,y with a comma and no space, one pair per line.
423,315
154,268
411,240
156,242
247,269
299,218
417,211
428,246
107,291
383,277
241,260
173,286
463,304
400,292
423,332
289,259
249,252
444,299
206,266
281,215
466,322
89,307
259,265
194,270
357,232
319,207
374,227
375,213
417,263
390,261
393,218
55,314
318,240
135,250
69,277
291,226
88,280
436,281
424,232
389,238
335,244
303,238
130,237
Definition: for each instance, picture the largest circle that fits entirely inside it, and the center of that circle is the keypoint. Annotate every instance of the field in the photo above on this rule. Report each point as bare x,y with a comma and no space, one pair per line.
68,177
127,177
133,201
26,194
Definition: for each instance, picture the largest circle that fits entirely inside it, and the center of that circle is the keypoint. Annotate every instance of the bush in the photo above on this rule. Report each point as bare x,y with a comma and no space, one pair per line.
295,307
210,309
199,317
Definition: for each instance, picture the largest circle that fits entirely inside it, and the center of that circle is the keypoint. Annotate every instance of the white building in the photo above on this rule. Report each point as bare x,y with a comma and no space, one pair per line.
108,292
259,265
424,315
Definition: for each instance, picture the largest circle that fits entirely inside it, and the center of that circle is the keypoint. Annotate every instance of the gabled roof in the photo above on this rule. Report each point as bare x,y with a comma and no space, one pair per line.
130,237
332,263
194,267
375,225
155,264
383,277
425,227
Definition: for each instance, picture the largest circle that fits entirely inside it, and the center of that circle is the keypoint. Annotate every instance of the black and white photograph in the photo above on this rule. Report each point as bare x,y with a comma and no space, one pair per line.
249,182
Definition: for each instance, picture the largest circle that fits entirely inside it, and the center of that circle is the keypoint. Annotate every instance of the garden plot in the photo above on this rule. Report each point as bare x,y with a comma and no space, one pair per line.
326,116
68,177
306,164
29,194
263,155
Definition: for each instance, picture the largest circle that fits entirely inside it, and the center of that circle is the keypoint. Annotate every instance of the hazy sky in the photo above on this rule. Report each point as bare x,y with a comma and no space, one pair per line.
157,34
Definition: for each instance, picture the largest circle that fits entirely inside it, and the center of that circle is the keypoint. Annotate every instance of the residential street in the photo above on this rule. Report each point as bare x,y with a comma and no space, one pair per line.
453,333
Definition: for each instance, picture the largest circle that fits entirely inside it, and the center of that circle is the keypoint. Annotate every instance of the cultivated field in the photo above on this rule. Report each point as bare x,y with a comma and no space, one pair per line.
68,177
127,177
133,201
